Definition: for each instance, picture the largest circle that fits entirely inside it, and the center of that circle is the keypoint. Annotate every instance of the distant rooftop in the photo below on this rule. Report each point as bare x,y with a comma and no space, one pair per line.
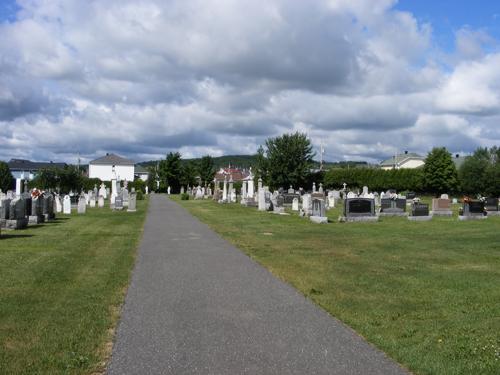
398,159
459,160
27,165
112,159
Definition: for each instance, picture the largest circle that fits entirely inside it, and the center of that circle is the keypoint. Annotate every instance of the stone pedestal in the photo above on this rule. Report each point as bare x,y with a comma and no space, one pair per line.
420,218
442,213
37,219
319,219
16,223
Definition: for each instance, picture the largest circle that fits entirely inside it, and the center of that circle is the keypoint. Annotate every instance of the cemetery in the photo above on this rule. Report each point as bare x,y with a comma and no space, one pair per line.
383,261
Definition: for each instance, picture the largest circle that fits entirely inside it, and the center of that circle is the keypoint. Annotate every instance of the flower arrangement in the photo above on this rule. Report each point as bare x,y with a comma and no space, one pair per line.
35,193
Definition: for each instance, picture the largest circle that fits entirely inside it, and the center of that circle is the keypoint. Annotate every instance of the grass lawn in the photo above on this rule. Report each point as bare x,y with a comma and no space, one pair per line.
426,293
61,286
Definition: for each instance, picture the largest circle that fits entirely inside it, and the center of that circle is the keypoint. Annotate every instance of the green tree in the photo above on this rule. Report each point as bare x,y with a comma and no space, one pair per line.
206,170
473,173
170,172
261,166
6,179
47,178
288,160
439,172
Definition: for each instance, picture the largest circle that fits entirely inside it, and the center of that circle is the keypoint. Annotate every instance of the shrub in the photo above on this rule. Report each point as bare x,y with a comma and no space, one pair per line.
140,195
184,197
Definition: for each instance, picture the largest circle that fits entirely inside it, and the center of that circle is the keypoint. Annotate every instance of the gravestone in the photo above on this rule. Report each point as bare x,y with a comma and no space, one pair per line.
359,209
295,204
419,212
4,211
82,205
441,207
278,204
100,201
393,207
411,195
67,205
291,190
58,204
132,202
92,200
103,191
318,211
118,203
262,199
125,195
17,212
306,205
491,206
48,207
472,210
36,216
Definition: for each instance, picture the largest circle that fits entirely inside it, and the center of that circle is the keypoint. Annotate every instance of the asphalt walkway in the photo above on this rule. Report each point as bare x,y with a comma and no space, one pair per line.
198,305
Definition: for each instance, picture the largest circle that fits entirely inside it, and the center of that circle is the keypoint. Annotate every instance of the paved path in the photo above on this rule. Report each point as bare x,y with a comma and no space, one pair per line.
197,305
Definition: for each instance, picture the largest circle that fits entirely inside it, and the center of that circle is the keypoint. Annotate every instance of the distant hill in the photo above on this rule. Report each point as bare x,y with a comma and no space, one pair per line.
247,161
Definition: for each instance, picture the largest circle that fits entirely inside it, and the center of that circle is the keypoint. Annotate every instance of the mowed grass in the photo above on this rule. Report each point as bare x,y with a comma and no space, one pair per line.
426,293
61,287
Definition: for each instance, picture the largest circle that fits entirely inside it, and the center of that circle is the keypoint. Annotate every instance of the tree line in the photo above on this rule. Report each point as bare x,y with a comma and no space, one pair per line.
287,160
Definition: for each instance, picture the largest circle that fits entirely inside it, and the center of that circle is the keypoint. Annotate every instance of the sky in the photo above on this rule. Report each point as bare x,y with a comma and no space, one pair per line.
367,79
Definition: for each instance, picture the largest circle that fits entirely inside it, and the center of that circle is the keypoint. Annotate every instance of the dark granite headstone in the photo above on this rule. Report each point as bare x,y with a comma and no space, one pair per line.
491,204
401,204
359,207
474,207
420,209
411,195
385,203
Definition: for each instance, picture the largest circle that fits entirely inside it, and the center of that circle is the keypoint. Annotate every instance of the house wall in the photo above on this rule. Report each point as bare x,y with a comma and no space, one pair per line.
105,172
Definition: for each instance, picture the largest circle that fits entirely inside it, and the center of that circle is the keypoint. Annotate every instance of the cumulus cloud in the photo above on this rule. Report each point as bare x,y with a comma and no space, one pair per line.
142,78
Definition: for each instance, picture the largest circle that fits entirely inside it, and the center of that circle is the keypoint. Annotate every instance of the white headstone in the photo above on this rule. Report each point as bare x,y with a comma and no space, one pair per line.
92,200
102,191
307,204
295,204
262,199
444,196
100,202
82,206
351,195
67,205
57,200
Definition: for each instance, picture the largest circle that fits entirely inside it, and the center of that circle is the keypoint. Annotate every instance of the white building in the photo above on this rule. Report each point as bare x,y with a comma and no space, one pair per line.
403,161
112,165
141,172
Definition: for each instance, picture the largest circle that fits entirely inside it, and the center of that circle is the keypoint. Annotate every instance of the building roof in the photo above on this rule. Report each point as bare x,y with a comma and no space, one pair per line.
234,173
112,159
139,169
27,165
400,159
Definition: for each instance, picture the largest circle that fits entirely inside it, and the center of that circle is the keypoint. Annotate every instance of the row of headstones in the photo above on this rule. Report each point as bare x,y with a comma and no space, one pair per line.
20,211
362,207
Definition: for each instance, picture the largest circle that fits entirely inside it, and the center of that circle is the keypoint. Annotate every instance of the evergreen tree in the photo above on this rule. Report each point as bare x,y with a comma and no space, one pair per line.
6,179
170,172
473,172
189,174
440,174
